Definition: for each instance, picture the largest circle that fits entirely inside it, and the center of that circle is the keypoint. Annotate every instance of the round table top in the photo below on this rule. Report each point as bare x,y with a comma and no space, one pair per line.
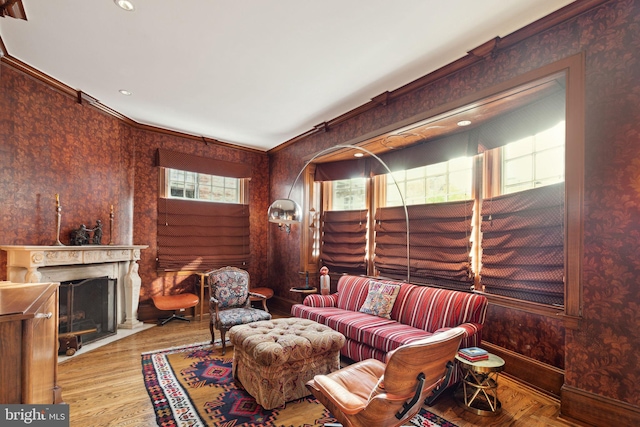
492,364
267,292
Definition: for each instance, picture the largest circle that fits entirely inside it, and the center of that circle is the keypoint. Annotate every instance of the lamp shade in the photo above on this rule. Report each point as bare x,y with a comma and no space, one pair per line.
285,211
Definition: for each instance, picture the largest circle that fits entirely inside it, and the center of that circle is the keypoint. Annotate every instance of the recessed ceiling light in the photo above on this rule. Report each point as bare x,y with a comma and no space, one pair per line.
124,92
358,155
125,5
464,123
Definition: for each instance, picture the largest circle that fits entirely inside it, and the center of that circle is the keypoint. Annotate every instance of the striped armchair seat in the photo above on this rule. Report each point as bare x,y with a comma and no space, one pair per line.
418,312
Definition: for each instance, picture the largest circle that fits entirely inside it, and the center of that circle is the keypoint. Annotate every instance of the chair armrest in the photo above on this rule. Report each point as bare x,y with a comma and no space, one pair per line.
348,402
213,307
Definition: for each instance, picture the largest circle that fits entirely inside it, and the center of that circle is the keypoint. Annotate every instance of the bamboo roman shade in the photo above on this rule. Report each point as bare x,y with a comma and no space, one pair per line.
196,235
438,240
344,241
523,245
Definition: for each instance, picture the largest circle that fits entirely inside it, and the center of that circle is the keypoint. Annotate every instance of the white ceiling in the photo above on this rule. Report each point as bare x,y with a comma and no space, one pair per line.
254,73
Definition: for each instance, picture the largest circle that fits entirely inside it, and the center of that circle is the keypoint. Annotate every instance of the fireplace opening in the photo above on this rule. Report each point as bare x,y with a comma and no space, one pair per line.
88,308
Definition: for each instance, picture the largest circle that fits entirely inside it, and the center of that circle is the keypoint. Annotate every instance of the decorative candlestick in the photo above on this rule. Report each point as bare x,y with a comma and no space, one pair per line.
59,218
111,226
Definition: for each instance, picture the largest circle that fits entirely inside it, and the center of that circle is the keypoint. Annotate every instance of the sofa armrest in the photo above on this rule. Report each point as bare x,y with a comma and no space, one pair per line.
317,300
472,334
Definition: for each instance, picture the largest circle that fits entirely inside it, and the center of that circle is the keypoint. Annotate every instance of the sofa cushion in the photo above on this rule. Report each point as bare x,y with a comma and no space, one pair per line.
377,332
317,314
433,308
352,291
380,299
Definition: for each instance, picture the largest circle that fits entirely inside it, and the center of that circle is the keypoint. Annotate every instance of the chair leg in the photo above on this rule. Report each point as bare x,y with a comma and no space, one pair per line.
174,316
213,335
222,333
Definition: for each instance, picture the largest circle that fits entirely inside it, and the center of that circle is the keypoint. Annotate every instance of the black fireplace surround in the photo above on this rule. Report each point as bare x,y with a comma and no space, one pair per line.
88,308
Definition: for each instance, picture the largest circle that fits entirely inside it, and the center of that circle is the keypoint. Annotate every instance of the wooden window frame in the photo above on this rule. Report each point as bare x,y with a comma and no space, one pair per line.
573,69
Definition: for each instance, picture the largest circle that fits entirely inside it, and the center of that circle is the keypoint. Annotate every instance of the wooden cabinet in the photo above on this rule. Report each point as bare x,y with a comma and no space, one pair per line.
29,343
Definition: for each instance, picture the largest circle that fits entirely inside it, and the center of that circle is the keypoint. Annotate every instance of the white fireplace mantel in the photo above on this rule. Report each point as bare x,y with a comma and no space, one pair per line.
33,264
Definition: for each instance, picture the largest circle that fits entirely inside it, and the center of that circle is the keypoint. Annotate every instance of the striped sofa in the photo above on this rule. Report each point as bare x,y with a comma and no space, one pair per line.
418,312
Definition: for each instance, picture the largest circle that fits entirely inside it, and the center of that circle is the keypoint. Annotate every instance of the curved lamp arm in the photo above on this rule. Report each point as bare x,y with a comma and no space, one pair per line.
287,211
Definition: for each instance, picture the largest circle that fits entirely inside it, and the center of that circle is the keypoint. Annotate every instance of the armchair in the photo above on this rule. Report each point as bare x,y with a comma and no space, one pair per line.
229,303
372,393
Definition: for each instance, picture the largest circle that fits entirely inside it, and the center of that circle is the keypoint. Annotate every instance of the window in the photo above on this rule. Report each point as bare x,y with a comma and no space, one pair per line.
204,187
534,161
442,182
349,194
345,226
527,149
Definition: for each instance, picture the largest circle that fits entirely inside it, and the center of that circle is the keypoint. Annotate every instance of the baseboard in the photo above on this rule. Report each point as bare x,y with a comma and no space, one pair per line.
280,304
581,406
540,376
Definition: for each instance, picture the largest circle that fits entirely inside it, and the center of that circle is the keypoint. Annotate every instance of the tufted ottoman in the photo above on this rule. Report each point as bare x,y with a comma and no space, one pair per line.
273,359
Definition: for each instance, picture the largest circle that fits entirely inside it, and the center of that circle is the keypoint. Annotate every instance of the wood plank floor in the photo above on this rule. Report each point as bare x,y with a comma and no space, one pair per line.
104,387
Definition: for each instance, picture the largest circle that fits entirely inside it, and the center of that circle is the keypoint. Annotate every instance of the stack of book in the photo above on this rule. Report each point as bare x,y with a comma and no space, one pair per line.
473,354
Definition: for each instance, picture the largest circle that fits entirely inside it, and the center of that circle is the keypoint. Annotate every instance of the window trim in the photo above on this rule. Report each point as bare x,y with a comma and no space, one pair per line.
573,69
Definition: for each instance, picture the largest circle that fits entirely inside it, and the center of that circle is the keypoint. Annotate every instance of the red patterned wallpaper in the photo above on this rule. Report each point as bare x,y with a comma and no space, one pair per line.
603,356
51,144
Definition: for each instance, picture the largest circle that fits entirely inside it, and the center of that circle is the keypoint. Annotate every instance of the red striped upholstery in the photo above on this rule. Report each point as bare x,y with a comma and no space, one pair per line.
419,311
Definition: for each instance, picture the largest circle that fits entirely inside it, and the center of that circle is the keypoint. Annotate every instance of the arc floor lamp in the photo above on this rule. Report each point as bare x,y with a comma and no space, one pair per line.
287,211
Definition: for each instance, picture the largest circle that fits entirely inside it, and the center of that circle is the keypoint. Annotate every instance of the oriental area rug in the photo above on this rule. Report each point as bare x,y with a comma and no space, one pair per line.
193,386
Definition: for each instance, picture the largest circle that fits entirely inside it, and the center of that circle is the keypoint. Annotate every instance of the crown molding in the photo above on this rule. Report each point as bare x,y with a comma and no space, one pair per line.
477,54
85,99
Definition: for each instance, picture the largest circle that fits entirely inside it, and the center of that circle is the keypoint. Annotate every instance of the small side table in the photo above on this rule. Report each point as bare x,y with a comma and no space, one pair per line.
267,292
478,392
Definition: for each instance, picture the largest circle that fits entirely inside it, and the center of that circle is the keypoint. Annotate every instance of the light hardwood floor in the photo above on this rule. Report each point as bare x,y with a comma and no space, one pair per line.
104,387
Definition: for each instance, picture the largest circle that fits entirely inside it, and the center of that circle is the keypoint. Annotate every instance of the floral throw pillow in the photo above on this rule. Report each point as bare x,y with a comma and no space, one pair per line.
380,299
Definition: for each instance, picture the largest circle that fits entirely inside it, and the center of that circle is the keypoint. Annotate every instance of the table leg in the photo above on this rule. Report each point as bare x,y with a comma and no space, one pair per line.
202,284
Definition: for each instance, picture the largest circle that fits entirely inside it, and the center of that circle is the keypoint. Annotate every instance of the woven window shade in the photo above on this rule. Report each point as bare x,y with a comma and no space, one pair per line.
191,163
344,241
523,122
196,235
438,241
523,245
